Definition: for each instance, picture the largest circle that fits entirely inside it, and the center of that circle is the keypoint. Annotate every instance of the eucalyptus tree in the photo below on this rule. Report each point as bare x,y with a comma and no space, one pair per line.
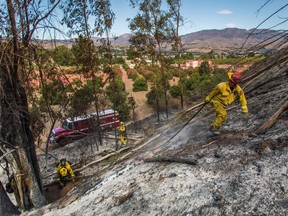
78,16
176,21
20,20
152,30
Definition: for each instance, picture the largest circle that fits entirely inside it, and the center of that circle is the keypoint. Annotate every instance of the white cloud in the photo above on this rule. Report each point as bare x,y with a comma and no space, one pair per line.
225,12
230,25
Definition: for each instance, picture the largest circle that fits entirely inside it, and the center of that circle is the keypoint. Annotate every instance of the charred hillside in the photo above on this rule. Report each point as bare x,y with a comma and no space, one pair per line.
244,172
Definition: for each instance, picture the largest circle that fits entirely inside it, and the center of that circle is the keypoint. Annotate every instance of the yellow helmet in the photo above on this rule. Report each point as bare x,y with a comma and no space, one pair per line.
121,123
63,171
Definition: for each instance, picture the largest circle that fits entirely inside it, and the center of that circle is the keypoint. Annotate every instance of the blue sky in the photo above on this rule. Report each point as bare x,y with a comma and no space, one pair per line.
212,14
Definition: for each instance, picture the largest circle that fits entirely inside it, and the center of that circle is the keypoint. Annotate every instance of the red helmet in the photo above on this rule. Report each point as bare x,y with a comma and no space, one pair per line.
236,78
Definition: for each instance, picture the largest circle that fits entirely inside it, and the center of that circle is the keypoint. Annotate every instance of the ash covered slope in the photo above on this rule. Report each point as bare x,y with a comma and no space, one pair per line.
243,173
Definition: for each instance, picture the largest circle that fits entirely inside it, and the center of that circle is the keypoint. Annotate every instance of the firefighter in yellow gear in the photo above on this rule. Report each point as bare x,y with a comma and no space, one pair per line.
64,172
123,133
223,95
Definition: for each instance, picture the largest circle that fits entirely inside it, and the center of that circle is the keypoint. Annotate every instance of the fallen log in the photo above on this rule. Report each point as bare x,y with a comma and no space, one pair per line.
138,148
134,138
76,178
102,159
194,107
210,143
264,127
172,160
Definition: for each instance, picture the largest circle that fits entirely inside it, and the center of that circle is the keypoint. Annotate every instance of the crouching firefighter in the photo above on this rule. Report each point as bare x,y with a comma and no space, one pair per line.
223,95
64,173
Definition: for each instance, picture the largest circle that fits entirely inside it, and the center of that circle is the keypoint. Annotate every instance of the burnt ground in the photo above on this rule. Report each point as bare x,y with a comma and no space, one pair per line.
79,154
243,172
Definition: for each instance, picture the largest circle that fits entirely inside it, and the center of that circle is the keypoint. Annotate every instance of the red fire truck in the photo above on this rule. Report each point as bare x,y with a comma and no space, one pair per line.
78,127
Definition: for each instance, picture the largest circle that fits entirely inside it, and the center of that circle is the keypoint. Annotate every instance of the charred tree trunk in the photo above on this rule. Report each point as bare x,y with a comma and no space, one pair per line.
181,93
7,208
16,134
157,109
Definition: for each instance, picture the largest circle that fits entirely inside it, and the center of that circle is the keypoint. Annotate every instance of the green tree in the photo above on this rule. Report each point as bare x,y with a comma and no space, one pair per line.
53,93
175,91
133,105
62,55
118,96
140,84
151,95
192,82
86,56
176,21
84,96
204,68
208,56
76,16
151,28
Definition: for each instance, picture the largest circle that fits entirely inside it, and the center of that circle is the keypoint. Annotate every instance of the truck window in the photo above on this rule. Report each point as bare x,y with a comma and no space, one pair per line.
67,125
86,122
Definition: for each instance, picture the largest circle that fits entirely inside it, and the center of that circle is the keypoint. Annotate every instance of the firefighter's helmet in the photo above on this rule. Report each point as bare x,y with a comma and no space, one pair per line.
63,162
236,78
63,172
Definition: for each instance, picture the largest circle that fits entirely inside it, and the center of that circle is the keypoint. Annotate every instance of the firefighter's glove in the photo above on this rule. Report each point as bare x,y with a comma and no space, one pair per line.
207,100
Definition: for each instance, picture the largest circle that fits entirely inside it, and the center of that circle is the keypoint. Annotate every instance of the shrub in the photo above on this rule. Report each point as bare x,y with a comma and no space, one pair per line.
140,84
132,73
118,60
118,70
175,91
204,68
150,97
62,55
149,75
125,67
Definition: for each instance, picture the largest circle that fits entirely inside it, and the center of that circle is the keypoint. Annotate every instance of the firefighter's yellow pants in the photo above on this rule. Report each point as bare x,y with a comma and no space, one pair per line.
221,114
123,139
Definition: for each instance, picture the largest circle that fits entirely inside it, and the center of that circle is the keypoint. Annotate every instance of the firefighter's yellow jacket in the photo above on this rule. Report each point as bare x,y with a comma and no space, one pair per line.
63,171
223,94
122,130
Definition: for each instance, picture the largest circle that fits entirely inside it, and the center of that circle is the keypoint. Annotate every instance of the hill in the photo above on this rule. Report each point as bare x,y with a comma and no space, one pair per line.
228,39
244,172
223,40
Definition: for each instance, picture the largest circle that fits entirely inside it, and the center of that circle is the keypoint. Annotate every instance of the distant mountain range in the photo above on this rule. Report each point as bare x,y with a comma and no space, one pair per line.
224,40
228,39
